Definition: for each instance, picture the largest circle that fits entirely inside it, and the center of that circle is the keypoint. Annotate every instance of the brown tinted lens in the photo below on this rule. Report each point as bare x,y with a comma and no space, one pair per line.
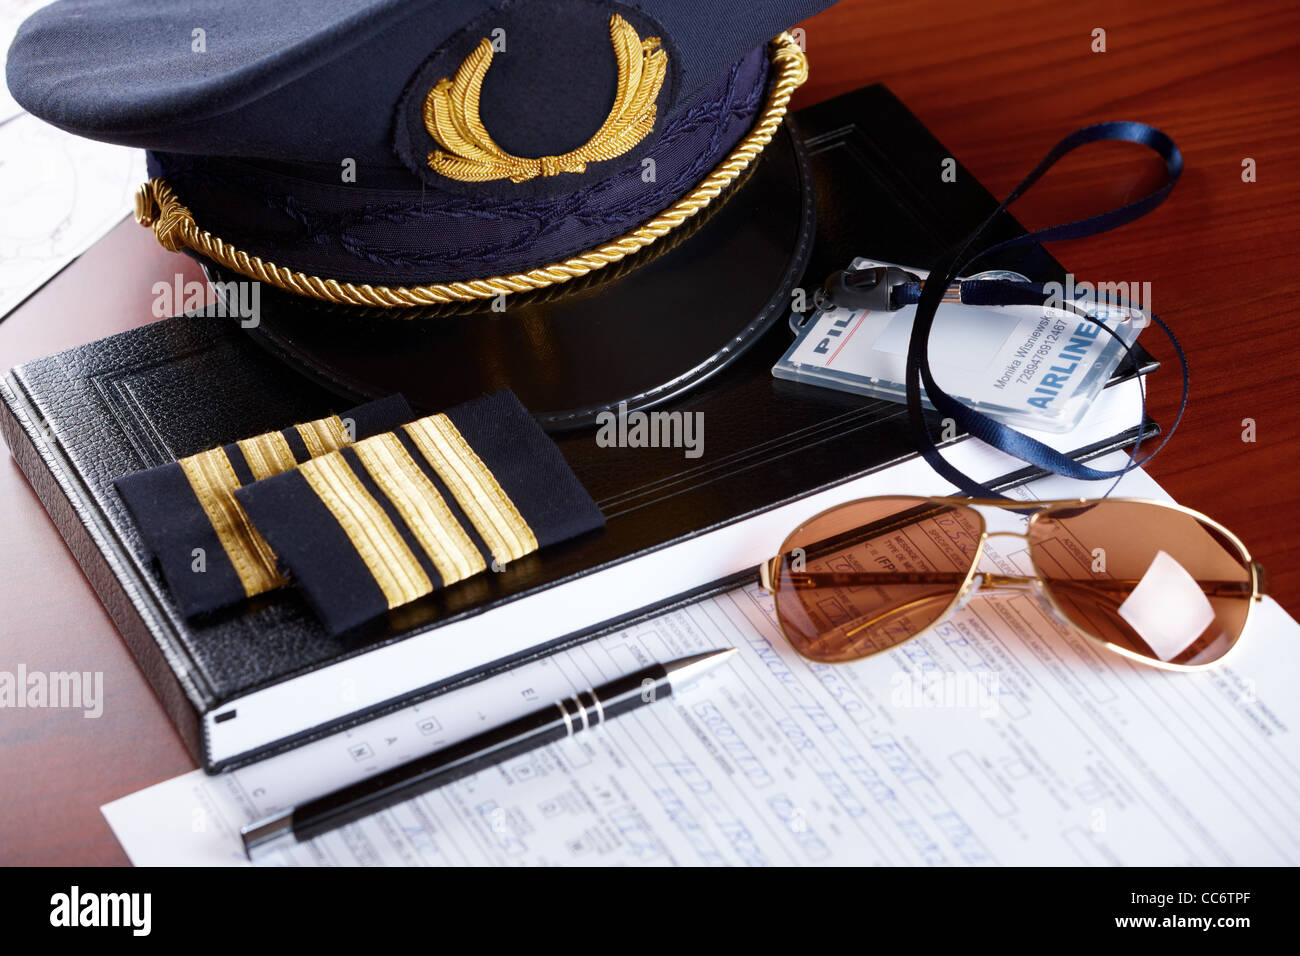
1153,580
866,577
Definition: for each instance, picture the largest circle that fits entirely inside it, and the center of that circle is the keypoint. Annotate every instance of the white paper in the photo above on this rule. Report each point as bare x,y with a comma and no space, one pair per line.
997,739
59,194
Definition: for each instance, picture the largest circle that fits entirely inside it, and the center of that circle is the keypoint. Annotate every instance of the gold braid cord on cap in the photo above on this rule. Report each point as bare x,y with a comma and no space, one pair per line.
451,114
157,206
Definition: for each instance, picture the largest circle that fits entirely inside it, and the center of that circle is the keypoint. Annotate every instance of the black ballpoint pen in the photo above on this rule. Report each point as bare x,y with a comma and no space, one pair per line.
562,719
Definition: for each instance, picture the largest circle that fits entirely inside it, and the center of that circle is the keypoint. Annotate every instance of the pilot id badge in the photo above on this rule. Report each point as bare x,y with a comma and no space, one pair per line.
1028,366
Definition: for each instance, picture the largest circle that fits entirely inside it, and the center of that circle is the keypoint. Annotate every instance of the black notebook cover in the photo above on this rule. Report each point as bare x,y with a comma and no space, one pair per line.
78,420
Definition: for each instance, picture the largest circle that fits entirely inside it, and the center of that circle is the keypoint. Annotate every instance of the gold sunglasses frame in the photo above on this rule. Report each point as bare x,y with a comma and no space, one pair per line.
770,569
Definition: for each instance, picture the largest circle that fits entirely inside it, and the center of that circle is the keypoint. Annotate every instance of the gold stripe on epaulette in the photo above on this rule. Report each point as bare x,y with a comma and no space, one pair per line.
390,562
267,454
421,506
214,482
323,436
489,508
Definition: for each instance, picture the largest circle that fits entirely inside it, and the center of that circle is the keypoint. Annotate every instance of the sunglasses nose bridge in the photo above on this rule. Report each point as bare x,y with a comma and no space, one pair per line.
993,581
1008,582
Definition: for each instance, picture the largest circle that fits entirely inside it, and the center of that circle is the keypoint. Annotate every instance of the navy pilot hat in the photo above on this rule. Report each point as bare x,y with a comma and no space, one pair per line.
408,152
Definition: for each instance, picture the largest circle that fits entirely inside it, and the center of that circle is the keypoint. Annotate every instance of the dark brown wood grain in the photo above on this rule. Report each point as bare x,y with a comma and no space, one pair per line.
998,82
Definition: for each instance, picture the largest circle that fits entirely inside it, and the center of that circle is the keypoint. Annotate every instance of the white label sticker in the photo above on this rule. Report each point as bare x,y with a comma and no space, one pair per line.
1168,609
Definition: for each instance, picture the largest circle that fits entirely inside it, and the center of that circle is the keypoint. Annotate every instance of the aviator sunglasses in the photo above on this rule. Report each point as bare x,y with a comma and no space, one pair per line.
1153,581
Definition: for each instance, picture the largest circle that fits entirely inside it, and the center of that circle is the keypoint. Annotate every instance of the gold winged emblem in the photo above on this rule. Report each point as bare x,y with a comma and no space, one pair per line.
452,117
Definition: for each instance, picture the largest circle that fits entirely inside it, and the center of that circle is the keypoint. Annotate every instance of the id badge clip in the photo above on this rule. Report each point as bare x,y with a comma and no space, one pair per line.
1029,365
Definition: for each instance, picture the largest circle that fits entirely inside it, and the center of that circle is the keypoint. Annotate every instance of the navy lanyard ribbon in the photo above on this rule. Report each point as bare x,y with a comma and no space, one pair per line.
929,294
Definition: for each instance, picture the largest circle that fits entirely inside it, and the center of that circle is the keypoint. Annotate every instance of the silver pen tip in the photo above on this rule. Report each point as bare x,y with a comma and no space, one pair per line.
686,669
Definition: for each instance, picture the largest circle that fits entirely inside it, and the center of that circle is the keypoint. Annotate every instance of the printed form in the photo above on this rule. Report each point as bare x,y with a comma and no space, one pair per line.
1000,738
59,193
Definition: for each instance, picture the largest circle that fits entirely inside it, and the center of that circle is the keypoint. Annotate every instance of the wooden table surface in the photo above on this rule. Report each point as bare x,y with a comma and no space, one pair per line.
998,82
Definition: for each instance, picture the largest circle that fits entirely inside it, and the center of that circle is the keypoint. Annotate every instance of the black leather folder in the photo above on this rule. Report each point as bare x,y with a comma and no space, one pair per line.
264,676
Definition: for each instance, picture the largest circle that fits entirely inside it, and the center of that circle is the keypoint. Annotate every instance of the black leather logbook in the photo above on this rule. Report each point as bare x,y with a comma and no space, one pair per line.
261,676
